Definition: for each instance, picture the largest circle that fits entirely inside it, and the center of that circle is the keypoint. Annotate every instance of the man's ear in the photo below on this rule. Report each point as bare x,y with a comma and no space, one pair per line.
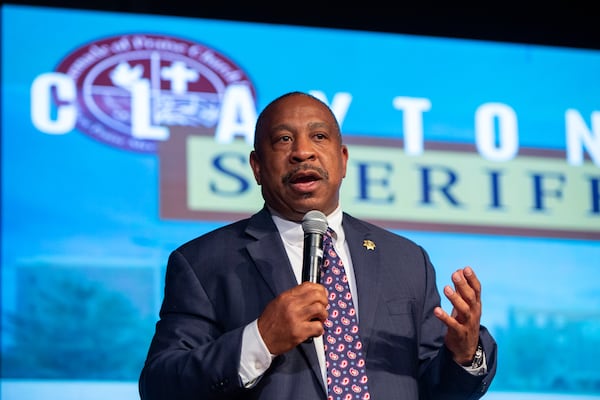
255,165
344,159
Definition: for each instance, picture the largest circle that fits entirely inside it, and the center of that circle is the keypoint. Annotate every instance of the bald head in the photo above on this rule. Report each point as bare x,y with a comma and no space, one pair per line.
264,115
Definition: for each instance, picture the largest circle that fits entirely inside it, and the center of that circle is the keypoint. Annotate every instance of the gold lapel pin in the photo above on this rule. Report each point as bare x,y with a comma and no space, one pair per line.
369,244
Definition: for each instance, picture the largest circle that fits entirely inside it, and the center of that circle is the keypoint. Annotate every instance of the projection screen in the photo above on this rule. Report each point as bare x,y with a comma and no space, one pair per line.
126,135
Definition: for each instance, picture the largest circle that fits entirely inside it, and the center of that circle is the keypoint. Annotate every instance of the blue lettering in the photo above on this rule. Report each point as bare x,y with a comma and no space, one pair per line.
429,187
495,189
240,184
367,181
595,200
540,193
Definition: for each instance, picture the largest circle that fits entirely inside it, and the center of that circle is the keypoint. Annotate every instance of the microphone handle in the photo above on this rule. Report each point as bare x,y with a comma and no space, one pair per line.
312,258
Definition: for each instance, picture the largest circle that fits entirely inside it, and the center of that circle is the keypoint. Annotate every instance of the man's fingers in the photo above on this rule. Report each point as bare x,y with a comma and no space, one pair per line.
443,316
473,282
293,316
316,312
467,285
461,309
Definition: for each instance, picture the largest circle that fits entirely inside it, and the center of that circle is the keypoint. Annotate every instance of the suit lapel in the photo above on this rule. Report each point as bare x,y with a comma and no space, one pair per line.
268,253
272,262
365,262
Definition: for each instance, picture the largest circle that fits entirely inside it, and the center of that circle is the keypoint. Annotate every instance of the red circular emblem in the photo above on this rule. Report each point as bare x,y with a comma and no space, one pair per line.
132,88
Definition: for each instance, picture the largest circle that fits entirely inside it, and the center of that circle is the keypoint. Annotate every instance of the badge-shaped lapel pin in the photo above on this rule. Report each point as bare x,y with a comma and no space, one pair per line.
369,244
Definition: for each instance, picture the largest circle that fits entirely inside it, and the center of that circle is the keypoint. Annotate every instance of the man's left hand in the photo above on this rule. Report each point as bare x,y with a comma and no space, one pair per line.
463,324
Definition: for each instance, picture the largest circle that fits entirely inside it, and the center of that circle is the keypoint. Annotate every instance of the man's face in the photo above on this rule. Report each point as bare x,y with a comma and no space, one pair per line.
299,158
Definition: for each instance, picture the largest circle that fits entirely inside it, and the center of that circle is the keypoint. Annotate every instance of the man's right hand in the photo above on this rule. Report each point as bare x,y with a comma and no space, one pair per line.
294,316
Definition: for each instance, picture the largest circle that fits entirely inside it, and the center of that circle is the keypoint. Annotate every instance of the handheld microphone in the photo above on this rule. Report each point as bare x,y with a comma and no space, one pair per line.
314,225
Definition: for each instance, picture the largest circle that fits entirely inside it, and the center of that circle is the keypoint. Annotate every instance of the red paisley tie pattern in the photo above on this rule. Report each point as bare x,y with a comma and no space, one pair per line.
346,374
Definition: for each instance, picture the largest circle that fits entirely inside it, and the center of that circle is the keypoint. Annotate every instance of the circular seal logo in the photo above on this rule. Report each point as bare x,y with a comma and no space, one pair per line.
132,88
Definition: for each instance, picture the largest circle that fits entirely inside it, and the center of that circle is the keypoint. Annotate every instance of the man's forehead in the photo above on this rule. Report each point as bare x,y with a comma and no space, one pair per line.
299,107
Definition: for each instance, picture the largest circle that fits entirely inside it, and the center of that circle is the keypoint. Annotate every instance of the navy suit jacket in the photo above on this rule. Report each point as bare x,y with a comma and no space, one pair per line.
218,283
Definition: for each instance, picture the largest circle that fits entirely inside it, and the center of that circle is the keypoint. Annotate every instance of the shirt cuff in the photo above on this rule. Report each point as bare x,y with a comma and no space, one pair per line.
255,358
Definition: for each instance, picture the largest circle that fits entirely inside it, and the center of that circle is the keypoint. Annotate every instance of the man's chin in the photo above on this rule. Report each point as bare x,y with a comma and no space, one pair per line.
297,211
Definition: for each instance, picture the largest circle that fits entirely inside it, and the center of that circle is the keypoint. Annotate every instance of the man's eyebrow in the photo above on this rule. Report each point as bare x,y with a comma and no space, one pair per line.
315,125
310,125
323,125
281,127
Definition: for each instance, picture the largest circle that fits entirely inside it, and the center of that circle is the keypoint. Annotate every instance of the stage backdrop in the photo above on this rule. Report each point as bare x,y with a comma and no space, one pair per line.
125,135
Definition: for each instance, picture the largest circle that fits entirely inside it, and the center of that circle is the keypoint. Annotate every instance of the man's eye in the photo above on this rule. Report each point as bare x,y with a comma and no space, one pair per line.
284,139
320,136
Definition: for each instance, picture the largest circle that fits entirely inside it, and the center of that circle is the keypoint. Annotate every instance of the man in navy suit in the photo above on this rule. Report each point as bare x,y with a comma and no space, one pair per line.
237,322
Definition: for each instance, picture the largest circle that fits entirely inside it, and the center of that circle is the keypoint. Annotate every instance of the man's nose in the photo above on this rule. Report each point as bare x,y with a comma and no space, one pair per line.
302,149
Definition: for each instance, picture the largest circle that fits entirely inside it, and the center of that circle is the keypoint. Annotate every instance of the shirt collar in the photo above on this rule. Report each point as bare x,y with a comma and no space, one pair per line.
291,232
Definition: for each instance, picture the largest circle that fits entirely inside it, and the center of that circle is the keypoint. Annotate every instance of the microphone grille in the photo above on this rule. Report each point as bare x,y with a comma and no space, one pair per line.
314,221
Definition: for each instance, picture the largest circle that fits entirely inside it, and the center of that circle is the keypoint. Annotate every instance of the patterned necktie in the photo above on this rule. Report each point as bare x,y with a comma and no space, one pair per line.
346,375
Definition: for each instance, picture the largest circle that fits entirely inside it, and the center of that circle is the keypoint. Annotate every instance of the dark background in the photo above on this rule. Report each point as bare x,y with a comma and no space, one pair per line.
557,23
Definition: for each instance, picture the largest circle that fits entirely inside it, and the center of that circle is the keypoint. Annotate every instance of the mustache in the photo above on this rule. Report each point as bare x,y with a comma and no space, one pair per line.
305,167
